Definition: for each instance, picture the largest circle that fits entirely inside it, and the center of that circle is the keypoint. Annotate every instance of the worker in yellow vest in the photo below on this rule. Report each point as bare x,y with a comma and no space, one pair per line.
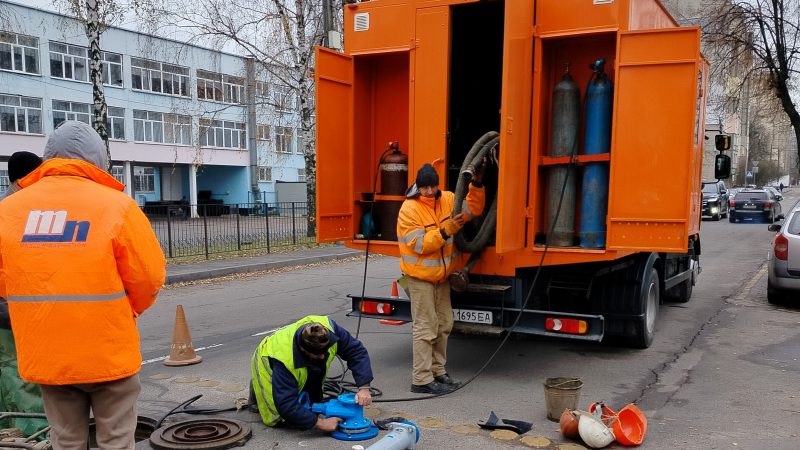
296,359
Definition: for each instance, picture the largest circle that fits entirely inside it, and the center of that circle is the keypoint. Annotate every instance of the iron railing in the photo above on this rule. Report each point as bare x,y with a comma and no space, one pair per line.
220,228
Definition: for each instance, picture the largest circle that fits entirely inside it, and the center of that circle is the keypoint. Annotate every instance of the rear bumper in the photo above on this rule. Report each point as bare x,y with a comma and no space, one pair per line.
531,322
779,276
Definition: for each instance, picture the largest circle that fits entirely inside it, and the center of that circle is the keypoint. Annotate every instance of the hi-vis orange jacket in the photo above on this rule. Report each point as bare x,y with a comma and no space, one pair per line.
78,263
424,254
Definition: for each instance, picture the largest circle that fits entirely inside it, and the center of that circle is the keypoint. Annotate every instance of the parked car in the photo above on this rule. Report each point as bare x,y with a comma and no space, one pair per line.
715,199
783,281
775,192
754,204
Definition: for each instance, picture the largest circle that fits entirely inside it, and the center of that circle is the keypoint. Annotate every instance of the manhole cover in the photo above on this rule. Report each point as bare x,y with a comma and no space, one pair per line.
207,434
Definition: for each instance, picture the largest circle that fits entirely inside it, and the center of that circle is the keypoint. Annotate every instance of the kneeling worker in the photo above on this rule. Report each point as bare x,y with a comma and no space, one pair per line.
296,359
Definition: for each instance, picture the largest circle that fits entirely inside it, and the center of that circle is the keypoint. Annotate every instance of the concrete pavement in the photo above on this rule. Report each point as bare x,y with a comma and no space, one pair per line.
181,273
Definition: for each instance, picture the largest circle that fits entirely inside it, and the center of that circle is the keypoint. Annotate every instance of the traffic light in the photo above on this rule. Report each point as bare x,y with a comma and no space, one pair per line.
722,166
723,142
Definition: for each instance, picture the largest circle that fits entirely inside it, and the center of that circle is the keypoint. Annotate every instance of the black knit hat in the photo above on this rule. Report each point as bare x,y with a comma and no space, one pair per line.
21,164
427,176
315,338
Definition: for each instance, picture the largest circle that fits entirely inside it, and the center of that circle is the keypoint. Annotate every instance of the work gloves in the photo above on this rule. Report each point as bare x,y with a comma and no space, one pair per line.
452,225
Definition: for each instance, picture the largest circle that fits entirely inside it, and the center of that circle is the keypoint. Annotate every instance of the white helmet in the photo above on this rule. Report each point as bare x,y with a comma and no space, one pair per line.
593,431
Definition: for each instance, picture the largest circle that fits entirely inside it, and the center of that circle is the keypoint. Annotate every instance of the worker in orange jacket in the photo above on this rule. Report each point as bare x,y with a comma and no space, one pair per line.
78,263
425,229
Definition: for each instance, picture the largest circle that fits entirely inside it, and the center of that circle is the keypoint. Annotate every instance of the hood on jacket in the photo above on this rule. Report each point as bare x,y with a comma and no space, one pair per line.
74,168
76,140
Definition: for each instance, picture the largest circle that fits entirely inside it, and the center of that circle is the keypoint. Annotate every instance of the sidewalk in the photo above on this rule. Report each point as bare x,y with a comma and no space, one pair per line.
217,268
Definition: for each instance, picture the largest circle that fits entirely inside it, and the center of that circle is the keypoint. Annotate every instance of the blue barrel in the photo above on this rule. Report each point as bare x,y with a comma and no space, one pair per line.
594,194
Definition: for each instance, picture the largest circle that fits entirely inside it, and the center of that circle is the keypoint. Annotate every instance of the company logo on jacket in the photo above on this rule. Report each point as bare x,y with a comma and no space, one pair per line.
53,226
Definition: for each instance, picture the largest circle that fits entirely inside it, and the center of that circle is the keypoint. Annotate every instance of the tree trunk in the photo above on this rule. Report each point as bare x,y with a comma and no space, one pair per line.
96,74
301,75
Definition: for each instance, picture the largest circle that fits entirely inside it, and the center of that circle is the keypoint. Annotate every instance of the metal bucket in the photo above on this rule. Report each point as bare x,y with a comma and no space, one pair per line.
561,393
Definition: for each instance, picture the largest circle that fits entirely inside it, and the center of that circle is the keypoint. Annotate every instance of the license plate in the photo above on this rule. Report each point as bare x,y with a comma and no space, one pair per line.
472,316
749,206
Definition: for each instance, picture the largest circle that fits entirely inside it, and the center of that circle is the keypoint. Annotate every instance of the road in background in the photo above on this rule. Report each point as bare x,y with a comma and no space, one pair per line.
721,373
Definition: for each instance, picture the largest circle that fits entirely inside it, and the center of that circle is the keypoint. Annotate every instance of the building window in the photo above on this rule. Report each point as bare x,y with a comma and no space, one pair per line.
262,89
262,133
19,53
112,69
4,181
282,97
222,133
219,88
118,172
264,173
301,175
20,114
69,62
115,123
283,140
70,111
144,179
162,128
162,78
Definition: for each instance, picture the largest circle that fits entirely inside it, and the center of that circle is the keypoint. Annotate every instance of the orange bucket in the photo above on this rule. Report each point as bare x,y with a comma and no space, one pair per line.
630,426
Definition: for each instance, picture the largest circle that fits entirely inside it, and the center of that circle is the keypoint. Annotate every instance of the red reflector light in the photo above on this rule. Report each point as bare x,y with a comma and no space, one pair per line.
562,325
392,322
781,247
731,202
767,204
370,307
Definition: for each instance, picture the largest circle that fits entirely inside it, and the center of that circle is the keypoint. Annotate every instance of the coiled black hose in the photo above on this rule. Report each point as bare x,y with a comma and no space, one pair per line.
486,225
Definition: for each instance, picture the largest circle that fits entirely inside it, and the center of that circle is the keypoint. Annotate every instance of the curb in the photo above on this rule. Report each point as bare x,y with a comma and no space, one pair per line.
204,274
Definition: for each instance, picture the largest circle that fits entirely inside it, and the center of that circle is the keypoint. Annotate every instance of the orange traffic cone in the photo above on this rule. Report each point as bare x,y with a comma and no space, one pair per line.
182,353
395,294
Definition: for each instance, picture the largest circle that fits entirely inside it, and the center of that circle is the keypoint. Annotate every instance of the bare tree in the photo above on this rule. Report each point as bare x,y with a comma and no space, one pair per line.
96,15
763,37
280,36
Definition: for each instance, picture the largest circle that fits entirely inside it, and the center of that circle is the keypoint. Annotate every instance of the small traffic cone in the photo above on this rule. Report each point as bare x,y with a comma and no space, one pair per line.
182,353
395,294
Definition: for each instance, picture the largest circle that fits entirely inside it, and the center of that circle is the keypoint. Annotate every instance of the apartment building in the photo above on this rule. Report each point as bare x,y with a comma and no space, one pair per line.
185,123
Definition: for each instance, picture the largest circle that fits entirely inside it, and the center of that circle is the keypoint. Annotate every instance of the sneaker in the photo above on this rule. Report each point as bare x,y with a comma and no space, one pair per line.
448,380
434,387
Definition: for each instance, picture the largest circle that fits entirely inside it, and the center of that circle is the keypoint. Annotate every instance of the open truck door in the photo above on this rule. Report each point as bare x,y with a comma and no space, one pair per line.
655,137
334,84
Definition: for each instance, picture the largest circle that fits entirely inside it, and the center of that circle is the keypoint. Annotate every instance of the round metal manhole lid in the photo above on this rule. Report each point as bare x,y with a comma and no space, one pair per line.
206,434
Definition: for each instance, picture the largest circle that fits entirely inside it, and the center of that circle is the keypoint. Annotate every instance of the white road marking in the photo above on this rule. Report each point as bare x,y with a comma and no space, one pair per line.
265,332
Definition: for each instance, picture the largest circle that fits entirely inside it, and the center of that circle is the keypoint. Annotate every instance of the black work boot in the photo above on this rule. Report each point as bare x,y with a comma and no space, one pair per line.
448,380
434,387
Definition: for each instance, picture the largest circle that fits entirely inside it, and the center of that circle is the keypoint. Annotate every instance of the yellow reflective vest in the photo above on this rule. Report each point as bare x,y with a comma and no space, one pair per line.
424,253
280,346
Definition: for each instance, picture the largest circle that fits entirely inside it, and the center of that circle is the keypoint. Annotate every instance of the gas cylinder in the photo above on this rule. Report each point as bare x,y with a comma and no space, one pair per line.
561,183
394,173
594,194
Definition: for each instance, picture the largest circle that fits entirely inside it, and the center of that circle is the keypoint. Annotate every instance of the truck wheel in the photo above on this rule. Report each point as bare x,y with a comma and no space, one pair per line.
650,301
683,292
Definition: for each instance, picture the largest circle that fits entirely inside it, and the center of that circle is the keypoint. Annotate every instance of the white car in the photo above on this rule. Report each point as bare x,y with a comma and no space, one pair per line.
784,259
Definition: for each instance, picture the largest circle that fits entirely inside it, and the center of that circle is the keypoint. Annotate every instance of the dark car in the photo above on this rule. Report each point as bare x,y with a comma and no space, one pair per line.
715,199
756,204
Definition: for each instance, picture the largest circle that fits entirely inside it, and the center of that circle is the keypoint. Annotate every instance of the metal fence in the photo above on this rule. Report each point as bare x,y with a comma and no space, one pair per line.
223,228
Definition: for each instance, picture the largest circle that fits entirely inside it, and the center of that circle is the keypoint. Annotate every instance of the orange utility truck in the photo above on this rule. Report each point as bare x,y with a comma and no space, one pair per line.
593,209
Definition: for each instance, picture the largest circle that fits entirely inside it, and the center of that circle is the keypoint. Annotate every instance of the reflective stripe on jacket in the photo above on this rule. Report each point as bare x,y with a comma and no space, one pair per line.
78,262
424,254
280,346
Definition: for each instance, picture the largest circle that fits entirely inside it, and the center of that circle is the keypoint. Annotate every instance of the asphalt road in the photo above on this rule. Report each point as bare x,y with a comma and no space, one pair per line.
722,372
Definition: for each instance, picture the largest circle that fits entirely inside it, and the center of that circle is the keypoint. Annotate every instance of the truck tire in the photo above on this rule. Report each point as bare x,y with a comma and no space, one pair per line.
650,299
683,292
